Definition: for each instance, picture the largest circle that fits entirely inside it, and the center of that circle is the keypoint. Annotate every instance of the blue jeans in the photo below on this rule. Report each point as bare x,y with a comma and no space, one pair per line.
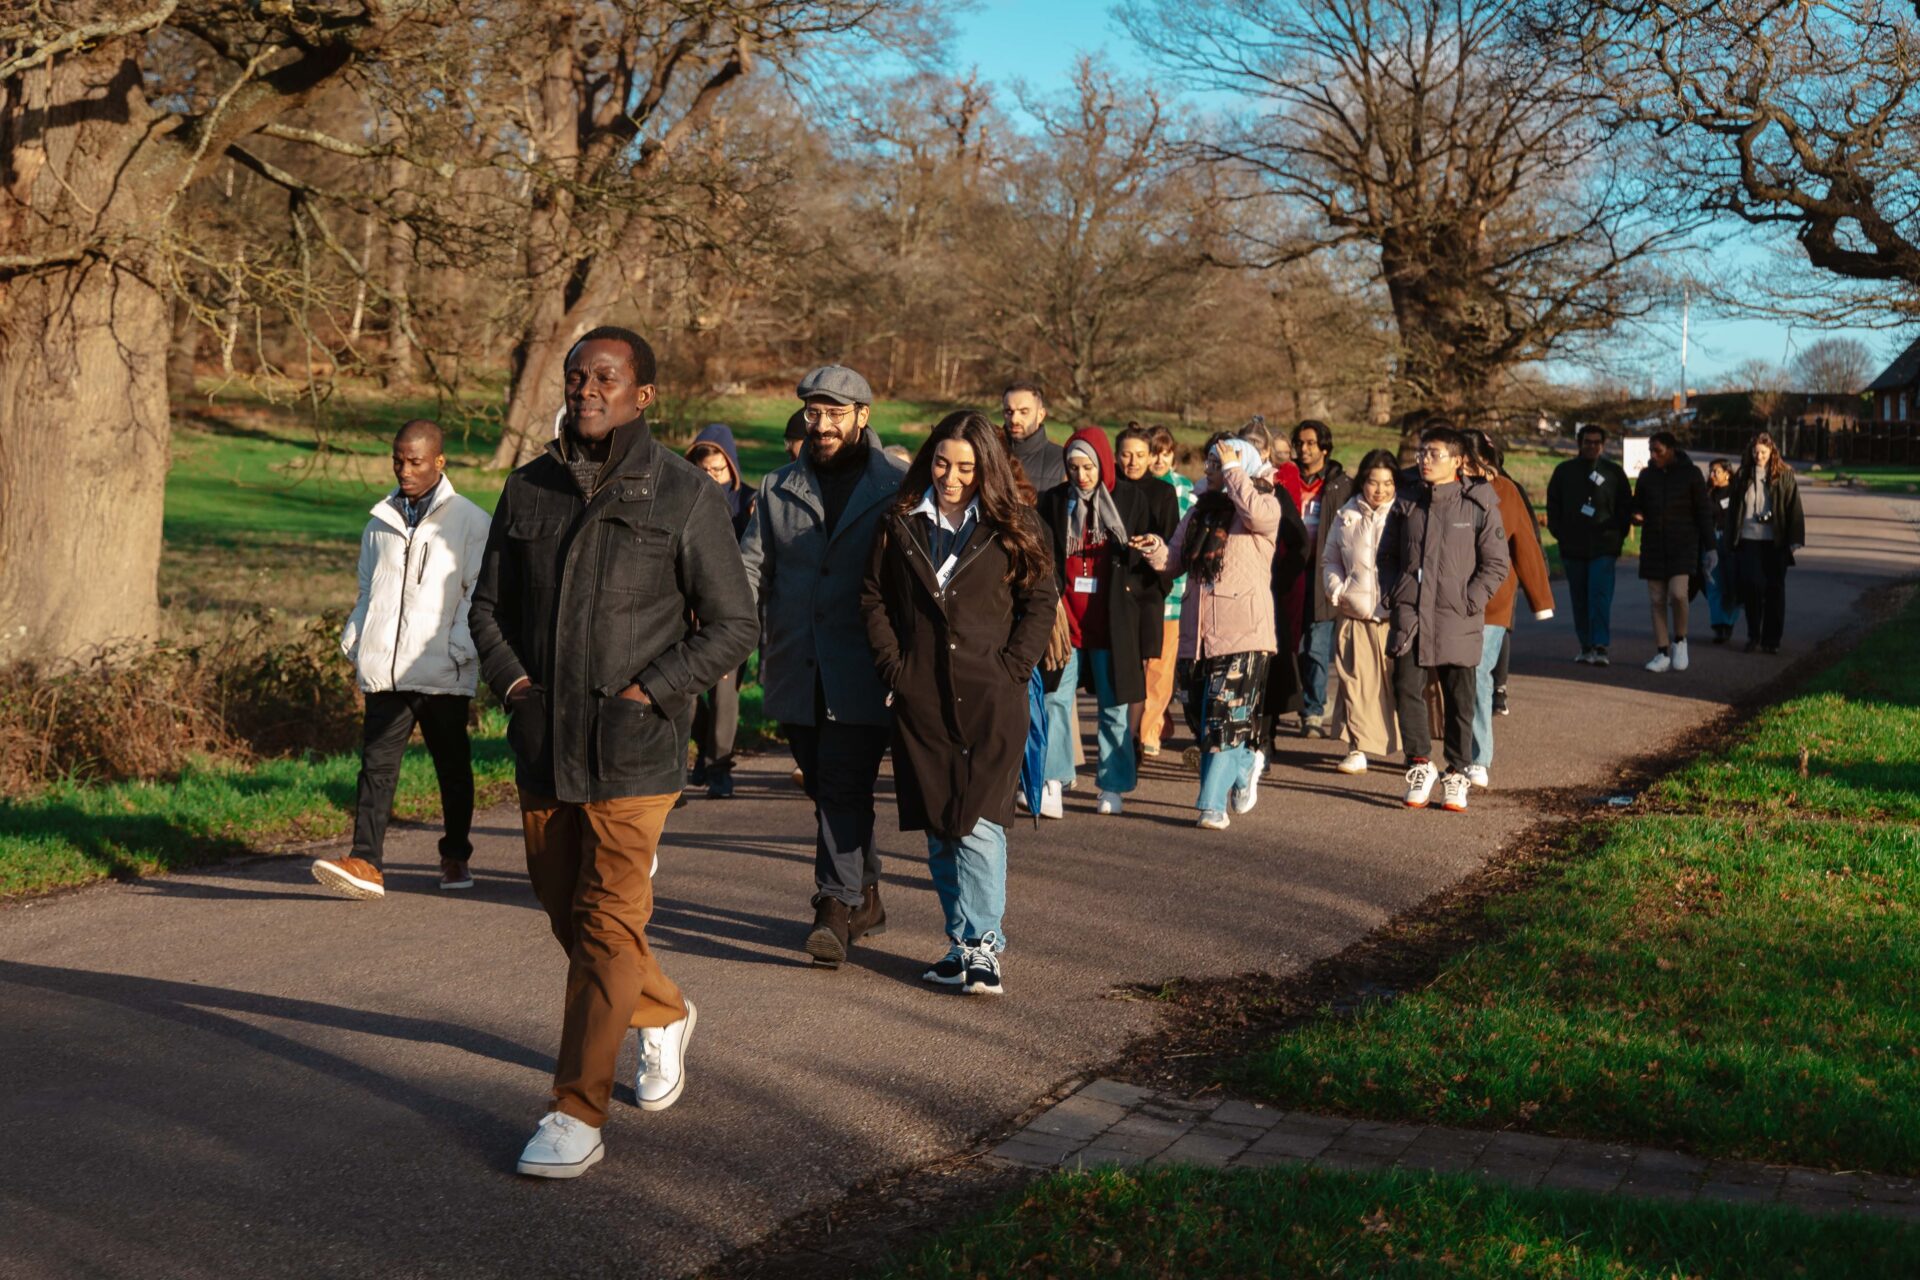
1490,642
1590,583
970,879
1315,660
1220,772
1115,743
1723,602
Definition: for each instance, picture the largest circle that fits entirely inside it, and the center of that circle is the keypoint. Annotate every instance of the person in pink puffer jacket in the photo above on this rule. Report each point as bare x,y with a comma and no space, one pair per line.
1363,708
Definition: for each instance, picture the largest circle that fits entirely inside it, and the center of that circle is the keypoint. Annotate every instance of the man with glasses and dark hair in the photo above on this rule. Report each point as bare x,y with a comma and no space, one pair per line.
1442,557
1317,485
1023,416
805,550
1589,511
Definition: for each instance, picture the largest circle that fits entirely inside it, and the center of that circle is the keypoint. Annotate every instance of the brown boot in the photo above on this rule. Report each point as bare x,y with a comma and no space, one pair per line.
870,917
827,944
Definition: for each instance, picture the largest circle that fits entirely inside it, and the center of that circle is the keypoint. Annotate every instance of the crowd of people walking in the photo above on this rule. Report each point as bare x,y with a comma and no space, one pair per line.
949,607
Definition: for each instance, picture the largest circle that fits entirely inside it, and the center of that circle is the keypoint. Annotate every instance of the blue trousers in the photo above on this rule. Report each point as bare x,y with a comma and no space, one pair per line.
970,879
1220,772
1723,600
1315,660
1590,583
1116,771
1490,643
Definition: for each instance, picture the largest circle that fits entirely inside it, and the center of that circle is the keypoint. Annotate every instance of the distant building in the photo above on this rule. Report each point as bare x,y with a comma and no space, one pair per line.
1896,392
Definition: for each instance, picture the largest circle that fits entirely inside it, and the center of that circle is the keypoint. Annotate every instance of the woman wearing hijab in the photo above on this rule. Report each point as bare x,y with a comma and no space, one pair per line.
1225,546
1098,537
959,602
716,713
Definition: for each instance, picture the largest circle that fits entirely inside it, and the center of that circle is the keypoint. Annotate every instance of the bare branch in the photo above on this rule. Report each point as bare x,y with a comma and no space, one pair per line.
74,38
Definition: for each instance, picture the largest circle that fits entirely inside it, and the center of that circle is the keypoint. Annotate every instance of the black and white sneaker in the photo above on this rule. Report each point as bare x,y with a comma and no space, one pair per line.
950,970
983,972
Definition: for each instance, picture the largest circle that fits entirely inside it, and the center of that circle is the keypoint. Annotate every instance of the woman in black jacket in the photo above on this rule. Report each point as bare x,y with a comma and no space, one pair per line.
1676,543
1765,526
959,601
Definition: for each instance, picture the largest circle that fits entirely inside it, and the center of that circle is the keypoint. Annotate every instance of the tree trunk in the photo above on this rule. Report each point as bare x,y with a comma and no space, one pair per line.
400,366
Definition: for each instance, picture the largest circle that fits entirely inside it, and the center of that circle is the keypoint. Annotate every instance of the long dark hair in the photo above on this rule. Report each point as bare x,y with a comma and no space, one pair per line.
1002,506
1775,463
1376,460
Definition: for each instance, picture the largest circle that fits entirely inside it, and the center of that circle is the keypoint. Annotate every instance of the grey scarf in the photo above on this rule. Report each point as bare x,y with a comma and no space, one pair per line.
1091,517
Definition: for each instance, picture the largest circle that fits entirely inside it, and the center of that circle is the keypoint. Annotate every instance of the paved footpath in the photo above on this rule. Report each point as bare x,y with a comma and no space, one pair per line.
228,1074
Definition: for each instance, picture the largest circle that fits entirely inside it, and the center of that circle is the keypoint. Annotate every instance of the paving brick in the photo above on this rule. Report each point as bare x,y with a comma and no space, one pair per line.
1432,1158
1655,1163
1596,1177
1308,1122
1234,1111
1038,1155
1371,1144
1678,1192
1742,1174
1213,1153
1336,1158
1819,1182
1524,1146
1266,1160
1180,1109
1105,1153
1738,1192
1103,1090
1079,1118
1877,1187
1148,1127
1285,1144
1240,1132
1516,1171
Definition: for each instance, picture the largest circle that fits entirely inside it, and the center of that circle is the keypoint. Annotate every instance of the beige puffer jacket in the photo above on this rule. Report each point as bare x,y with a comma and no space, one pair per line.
1349,570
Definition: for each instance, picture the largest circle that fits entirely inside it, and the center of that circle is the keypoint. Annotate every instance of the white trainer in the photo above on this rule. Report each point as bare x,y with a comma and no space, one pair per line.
561,1147
1679,655
1109,803
1454,789
1243,796
663,1062
1213,820
1477,775
1420,780
1356,762
1051,805
1659,663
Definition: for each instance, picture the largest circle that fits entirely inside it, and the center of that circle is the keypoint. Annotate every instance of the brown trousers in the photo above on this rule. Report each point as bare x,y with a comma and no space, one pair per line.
1363,705
591,867
1153,716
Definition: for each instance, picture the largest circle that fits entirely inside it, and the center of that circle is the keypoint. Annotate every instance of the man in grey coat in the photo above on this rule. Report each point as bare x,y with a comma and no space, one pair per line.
805,551
1442,557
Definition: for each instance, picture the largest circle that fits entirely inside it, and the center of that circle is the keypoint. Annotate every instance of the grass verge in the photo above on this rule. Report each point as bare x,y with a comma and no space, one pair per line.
1739,975
1202,1223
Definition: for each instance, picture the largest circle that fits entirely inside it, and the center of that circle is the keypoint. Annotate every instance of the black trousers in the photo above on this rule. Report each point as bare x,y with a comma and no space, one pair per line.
1457,693
716,723
1762,570
841,764
390,718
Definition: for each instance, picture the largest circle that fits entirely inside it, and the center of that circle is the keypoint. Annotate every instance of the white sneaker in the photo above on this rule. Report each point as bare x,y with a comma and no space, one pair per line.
1242,799
1453,792
1659,663
1109,802
1420,780
1356,762
1586,655
663,1062
1213,820
1679,655
562,1147
1477,775
1050,802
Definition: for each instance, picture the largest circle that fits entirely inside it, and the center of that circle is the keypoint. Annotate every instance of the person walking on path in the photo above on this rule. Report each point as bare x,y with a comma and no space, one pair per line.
1023,412
806,555
1225,547
413,657
1765,528
1528,573
1154,719
602,550
1676,544
1442,557
1723,600
959,602
1589,511
1318,486
716,714
1362,679
1133,460
1288,586
1097,539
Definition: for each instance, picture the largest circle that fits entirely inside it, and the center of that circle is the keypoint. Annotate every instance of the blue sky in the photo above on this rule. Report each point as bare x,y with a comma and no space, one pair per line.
1038,40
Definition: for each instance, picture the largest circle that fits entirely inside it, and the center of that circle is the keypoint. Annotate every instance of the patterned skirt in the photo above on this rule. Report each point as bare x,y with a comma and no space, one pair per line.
1222,698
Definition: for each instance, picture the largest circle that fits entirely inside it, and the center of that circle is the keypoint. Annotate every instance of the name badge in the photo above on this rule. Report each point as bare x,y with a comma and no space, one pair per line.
1587,511
1085,586
945,572
1596,477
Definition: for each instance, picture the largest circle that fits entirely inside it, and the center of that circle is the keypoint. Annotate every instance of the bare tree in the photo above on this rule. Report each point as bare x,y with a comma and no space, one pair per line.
1833,367
1504,223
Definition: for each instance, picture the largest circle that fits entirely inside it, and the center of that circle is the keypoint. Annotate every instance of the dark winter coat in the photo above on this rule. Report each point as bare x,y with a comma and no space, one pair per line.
808,582
1133,590
1163,517
1289,571
1677,528
1789,518
1044,461
957,660
1571,491
1442,557
1335,490
586,597
739,496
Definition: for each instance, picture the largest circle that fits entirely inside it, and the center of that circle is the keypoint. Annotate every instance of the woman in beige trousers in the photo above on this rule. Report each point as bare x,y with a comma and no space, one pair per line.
1362,705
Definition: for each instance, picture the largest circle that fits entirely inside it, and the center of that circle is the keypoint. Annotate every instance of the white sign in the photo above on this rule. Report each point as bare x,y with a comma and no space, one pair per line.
1635,453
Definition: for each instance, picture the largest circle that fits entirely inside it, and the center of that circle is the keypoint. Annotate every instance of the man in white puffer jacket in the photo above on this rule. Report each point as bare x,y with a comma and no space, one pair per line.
415,659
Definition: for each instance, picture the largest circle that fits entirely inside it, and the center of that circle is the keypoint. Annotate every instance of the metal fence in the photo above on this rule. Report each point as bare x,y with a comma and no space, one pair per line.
1828,442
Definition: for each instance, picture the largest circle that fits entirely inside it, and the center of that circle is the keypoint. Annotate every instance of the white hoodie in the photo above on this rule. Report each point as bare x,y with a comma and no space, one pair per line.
1348,564
408,629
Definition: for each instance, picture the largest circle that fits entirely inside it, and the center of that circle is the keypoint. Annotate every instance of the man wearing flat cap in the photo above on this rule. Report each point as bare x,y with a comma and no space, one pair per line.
806,555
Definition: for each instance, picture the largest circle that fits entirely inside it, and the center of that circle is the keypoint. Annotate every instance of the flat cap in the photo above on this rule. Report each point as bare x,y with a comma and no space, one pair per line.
837,383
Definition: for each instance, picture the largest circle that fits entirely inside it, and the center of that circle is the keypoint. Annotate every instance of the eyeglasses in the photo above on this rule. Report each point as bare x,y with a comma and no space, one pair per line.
1434,454
814,415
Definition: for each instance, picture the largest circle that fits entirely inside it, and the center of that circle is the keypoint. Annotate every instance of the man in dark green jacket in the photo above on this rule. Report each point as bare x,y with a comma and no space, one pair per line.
1589,510
611,595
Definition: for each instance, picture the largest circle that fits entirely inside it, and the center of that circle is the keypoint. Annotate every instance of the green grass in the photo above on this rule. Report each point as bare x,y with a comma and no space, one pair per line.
74,834
1272,1222
1741,978
1881,479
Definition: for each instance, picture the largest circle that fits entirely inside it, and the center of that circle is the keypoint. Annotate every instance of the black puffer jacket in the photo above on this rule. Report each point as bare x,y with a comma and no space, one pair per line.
1442,557
585,598
1677,517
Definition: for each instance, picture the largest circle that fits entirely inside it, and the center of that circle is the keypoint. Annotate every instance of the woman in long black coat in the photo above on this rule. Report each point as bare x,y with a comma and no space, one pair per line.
1676,543
959,601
